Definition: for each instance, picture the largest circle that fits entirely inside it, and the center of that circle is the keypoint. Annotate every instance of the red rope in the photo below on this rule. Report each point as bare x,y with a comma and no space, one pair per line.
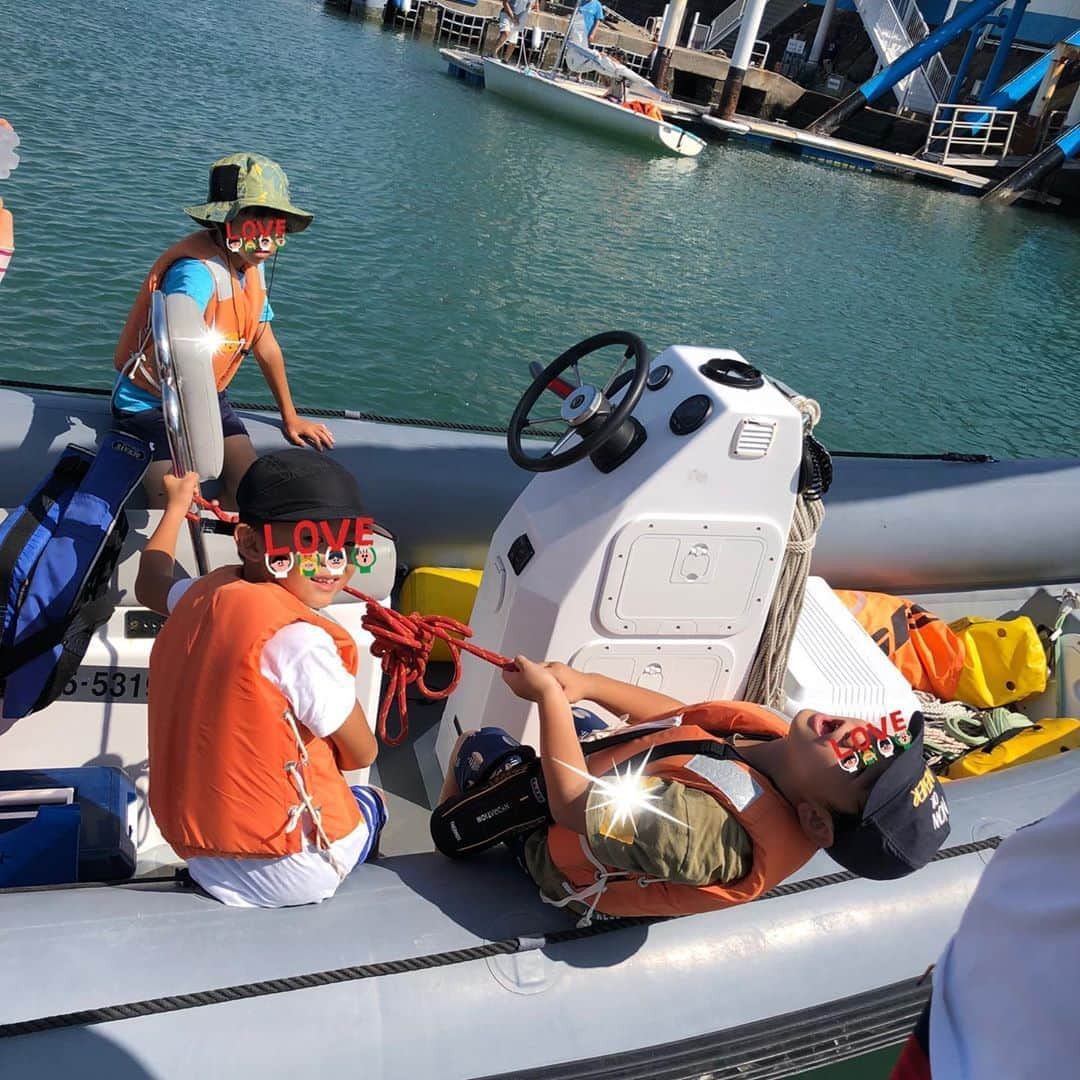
214,508
403,644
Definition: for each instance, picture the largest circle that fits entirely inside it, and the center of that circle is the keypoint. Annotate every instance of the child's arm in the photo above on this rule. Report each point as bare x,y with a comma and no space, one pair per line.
158,560
634,702
354,744
565,774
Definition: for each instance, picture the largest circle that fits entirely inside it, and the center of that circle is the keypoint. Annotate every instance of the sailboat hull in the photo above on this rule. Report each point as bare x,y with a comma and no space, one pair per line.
579,106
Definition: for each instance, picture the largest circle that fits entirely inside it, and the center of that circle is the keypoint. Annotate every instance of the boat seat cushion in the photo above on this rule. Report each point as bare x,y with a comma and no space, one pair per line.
221,551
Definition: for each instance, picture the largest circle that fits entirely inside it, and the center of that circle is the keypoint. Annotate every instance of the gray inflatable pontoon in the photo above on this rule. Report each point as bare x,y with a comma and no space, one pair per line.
422,967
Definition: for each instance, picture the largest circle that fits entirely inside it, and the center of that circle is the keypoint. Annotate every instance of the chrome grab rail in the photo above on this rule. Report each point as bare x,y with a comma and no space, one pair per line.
172,409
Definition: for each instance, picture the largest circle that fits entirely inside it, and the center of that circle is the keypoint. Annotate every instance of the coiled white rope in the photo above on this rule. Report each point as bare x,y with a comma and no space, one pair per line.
765,683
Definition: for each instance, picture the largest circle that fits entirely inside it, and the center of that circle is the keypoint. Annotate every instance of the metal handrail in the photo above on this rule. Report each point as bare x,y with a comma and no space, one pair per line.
975,131
724,23
459,26
172,410
893,38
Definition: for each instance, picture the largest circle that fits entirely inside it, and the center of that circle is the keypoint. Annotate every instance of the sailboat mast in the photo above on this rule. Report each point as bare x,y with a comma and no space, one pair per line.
566,37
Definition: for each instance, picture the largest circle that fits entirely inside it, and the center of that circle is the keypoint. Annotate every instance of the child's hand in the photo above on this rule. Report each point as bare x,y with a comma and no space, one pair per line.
572,682
180,490
531,681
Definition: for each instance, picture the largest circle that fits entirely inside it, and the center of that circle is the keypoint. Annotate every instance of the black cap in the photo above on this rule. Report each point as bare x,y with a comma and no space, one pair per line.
904,822
297,485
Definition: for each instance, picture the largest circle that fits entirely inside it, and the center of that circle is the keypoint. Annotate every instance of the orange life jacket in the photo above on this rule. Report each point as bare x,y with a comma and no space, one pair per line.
220,738
7,238
233,312
924,649
646,108
780,846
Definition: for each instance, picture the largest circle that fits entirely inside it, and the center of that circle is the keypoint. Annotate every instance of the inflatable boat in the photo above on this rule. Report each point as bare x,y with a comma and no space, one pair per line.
645,541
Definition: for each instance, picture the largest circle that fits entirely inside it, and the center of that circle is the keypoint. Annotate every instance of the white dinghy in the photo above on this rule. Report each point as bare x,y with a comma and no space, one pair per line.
586,103
583,106
646,542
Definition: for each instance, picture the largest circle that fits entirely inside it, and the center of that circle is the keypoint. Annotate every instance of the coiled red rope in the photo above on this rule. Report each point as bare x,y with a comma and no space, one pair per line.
403,644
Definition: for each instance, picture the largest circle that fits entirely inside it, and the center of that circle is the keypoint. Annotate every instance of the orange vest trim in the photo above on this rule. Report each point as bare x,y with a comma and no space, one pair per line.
234,312
924,649
779,845
219,737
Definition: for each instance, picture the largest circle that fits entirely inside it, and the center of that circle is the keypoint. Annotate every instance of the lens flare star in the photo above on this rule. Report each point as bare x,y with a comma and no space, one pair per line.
627,793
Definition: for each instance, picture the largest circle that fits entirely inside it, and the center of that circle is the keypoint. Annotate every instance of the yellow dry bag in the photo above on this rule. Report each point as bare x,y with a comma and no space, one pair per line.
1044,739
1004,661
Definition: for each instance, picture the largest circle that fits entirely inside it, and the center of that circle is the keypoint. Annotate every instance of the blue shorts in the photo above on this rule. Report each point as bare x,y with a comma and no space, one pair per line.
374,810
149,425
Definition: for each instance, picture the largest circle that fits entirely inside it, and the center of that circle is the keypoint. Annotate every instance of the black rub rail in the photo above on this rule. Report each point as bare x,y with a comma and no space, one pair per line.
287,984
451,425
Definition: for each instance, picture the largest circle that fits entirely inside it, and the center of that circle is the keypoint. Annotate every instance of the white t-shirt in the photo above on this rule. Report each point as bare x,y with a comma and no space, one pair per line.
1006,987
302,661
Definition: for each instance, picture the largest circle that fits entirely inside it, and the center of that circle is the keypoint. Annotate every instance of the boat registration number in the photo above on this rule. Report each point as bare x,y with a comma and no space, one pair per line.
107,684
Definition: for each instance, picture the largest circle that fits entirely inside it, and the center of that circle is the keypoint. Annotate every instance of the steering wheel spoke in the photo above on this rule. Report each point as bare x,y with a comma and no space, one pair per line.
545,420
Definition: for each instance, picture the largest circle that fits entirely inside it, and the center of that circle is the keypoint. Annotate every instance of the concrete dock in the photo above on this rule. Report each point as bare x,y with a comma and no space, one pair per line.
694,76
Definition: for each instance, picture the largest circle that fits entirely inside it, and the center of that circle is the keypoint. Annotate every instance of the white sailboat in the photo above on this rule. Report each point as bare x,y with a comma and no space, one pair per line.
584,103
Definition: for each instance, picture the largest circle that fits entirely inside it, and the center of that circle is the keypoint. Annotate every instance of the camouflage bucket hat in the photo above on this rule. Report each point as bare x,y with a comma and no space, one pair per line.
243,180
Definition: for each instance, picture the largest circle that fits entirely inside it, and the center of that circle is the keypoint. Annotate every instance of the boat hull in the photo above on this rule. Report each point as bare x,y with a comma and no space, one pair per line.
556,98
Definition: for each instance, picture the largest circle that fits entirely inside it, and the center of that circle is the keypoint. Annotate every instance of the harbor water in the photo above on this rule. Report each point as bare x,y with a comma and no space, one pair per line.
458,237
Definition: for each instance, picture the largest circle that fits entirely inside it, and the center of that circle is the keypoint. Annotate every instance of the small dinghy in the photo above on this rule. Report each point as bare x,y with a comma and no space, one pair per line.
646,542
574,102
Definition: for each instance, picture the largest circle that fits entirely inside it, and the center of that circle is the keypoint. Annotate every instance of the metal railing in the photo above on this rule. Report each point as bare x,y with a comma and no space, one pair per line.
524,52
961,133
937,73
724,23
890,37
410,20
459,27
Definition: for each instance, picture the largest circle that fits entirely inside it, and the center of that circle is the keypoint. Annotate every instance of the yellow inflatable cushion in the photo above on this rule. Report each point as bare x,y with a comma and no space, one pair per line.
1046,738
440,590
1004,661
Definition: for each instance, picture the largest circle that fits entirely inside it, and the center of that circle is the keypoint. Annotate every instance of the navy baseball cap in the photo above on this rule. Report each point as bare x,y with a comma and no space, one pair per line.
904,822
297,485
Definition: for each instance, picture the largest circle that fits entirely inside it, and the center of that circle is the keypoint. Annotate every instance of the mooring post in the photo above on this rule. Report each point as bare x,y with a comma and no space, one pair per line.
740,60
669,36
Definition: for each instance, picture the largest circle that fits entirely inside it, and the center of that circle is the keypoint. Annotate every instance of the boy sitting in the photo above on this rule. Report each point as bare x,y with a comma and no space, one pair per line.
252,709
731,799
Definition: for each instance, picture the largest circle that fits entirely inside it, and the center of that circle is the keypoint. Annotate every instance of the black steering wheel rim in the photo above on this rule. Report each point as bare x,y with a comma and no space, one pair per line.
592,442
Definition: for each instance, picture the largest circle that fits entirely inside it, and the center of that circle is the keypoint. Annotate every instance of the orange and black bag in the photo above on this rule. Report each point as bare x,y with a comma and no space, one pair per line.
924,649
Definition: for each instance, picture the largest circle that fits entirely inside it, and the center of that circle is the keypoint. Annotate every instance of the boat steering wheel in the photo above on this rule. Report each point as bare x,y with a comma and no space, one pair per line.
586,409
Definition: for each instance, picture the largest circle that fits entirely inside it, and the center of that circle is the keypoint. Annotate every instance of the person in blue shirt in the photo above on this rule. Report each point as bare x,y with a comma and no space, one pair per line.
246,219
592,11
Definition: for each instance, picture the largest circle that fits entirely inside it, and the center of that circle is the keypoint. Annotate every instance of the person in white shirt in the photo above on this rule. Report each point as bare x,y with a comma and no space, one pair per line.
253,712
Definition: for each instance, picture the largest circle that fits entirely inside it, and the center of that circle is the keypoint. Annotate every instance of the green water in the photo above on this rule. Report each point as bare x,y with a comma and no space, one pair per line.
457,237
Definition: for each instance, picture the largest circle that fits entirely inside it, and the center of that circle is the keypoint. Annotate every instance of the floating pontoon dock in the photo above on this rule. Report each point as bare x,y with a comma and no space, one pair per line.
843,153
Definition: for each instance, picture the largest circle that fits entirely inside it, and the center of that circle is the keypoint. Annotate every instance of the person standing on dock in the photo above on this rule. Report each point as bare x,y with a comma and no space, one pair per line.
592,12
243,223
512,19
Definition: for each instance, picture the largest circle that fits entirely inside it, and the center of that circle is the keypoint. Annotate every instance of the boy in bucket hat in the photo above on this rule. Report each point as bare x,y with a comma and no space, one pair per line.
693,808
246,219
252,709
